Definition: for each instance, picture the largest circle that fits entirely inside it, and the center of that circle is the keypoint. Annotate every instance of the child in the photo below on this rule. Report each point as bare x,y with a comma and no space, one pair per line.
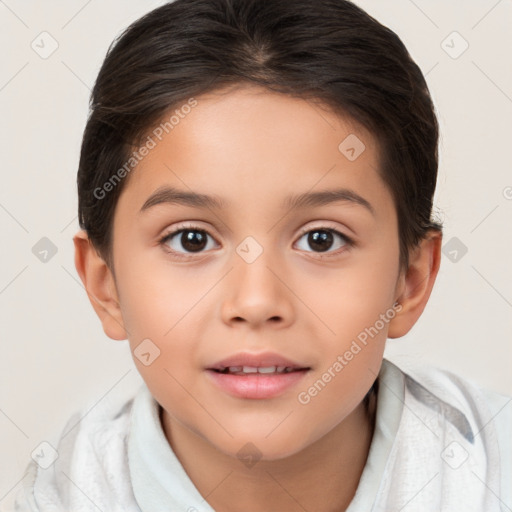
255,197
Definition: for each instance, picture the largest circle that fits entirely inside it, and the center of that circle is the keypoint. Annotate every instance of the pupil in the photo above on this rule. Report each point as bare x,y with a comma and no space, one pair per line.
320,240
193,240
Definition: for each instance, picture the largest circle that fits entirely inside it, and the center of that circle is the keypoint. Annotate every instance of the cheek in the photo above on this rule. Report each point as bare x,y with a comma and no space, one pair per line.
165,306
353,298
163,313
356,303
156,296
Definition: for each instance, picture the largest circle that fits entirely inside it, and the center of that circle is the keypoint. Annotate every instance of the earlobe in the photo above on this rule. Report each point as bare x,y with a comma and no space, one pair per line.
100,286
415,285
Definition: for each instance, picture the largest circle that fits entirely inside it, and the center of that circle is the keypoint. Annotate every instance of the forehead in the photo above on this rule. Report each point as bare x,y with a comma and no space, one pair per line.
246,142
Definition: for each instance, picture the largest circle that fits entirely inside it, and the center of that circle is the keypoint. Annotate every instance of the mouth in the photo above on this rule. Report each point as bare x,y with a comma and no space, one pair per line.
258,370
256,376
261,362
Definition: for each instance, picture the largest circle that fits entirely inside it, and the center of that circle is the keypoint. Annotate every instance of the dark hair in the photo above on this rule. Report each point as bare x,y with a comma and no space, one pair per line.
329,51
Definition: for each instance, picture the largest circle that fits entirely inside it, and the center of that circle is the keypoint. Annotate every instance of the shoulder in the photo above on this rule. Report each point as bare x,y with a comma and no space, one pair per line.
89,459
457,432
445,391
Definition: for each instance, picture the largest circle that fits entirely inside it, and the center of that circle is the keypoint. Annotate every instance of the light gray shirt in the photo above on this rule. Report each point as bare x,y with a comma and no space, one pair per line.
440,444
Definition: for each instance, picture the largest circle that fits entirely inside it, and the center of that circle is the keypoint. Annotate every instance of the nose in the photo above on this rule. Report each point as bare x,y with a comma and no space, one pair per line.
256,294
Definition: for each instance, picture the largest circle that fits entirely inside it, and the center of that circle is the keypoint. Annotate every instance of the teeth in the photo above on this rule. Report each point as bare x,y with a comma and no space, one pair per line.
253,369
268,369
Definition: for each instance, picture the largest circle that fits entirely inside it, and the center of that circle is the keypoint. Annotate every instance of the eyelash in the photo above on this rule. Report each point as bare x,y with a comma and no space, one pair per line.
187,256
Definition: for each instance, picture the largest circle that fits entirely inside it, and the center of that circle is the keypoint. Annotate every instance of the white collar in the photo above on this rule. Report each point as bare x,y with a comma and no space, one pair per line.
161,483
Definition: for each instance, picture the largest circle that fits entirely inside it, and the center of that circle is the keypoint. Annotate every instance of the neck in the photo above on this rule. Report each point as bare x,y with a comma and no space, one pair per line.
331,468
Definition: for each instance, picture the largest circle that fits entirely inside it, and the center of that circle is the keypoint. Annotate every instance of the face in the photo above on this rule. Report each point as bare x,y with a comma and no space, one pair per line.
293,262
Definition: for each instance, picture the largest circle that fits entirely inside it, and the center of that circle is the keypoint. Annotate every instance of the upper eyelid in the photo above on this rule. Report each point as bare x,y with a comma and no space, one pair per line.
324,226
302,231
195,227
192,227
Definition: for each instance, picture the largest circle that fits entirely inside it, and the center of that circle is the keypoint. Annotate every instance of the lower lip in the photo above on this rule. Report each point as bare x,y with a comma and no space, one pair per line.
256,386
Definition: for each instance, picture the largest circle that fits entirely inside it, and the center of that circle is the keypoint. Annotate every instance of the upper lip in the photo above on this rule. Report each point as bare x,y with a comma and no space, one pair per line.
256,360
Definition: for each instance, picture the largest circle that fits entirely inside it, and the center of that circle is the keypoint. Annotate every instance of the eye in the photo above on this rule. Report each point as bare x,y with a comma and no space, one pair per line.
324,239
187,240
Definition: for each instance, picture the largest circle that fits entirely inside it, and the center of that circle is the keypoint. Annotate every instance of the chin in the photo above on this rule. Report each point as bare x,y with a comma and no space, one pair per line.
255,447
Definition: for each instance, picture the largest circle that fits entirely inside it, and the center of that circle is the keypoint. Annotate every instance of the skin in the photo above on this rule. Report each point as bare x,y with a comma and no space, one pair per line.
253,148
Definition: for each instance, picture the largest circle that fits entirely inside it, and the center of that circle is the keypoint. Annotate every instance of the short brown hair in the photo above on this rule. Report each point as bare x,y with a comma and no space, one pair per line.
327,50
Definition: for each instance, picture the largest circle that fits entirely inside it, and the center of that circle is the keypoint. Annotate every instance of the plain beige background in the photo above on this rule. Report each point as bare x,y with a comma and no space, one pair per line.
55,357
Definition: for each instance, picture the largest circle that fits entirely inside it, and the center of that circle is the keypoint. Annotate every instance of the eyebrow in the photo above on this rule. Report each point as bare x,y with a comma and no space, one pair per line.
326,197
172,195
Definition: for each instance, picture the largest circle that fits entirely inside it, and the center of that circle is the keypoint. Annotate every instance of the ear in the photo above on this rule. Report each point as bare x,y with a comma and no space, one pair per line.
415,284
100,286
